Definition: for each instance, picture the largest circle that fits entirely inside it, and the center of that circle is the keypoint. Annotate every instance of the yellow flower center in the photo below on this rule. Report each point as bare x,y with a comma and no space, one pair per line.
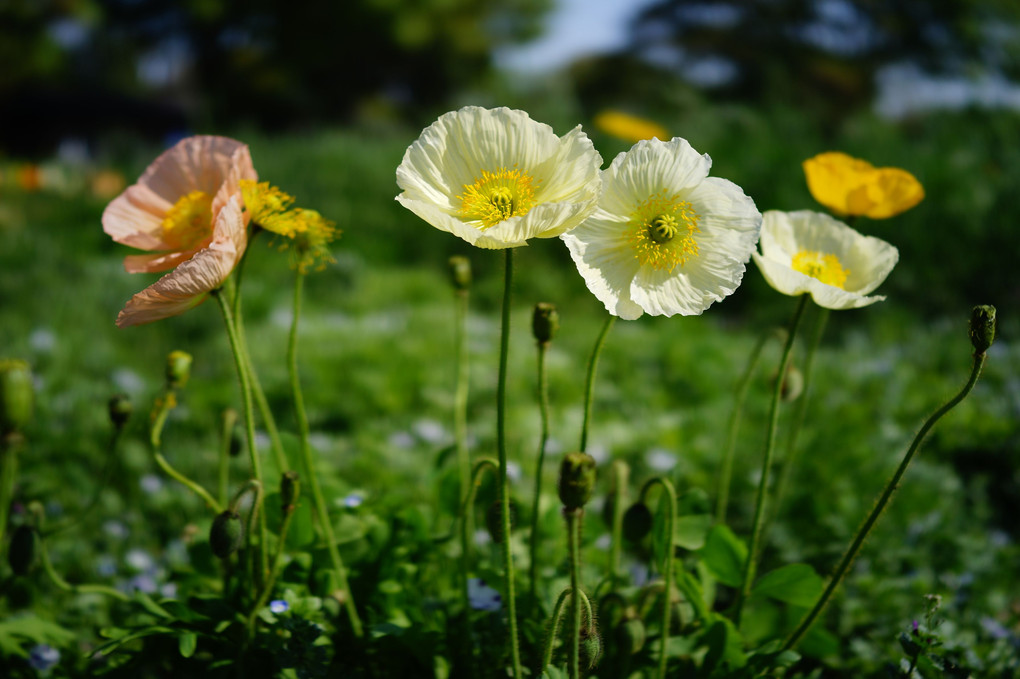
189,221
497,196
662,232
824,267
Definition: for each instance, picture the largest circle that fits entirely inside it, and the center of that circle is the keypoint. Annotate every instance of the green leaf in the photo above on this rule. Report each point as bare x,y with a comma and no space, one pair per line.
691,531
796,584
724,555
725,646
660,542
151,606
186,643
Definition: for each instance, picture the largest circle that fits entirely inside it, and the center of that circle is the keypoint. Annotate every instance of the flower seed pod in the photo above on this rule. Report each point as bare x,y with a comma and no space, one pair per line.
226,535
290,489
982,327
178,369
16,395
590,649
120,410
637,522
545,321
460,272
21,553
494,523
577,479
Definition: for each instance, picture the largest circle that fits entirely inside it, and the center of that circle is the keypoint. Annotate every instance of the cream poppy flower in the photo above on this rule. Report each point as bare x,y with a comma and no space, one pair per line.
810,252
187,206
666,239
495,177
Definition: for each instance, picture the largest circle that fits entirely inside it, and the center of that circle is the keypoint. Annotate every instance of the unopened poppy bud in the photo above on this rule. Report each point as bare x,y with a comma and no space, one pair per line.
290,489
793,385
460,272
225,535
630,635
178,369
982,327
545,322
16,395
590,649
21,553
120,410
494,522
637,522
577,479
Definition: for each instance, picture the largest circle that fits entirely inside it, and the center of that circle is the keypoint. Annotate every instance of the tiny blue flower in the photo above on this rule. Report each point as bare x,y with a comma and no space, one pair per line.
482,597
279,606
43,657
353,500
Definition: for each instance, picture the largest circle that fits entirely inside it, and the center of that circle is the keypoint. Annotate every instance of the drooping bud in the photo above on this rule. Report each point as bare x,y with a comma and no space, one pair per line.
982,327
637,522
16,395
630,634
577,480
120,410
494,522
460,272
545,322
226,535
178,369
21,553
290,489
590,649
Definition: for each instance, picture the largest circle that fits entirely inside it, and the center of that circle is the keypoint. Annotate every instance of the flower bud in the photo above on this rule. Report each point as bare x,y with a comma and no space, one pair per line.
16,395
545,322
21,552
982,327
577,479
225,535
290,489
793,385
178,369
630,634
120,410
637,522
590,649
460,272
494,522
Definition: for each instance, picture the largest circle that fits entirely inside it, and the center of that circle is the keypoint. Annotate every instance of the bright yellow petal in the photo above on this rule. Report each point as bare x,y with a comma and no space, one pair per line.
832,176
897,191
629,128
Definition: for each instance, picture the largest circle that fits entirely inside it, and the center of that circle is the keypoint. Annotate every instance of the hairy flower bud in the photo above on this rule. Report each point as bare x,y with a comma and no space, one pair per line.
577,479
545,322
460,272
637,522
226,535
590,649
16,395
290,489
21,553
178,369
120,410
982,327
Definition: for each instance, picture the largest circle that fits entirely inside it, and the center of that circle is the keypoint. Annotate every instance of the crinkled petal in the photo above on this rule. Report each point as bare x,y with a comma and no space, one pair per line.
607,263
651,167
161,261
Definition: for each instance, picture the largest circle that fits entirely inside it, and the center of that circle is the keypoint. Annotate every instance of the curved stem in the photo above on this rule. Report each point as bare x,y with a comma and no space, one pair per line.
726,471
573,518
770,442
554,625
68,587
621,475
273,572
883,500
309,465
164,406
193,486
543,407
243,376
667,562
504,490
589,385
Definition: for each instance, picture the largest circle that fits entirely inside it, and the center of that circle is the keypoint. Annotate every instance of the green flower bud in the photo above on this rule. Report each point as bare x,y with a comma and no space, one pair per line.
630,635
494,523
545,322
290,489
637,522
120,410
16,395
577,479
590,649
226,535
178,369
21,553
460,272
982,327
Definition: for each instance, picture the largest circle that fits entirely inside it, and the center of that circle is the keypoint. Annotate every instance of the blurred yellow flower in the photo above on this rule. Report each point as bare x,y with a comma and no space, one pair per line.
308,232
629,128
854,187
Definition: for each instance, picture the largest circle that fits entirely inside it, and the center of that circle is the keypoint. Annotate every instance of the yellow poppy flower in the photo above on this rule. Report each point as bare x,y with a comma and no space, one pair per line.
854,187
629,128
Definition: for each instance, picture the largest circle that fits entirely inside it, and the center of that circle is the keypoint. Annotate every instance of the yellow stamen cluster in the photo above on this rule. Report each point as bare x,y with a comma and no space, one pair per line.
306,231
662,232
826,268
497,196
189,221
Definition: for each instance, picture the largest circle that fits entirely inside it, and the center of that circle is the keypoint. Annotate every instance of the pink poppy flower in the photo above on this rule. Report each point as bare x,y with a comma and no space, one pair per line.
187,208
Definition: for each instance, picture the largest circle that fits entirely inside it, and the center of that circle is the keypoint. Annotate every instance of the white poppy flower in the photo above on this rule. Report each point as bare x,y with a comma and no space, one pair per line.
496,178
810,252
666,238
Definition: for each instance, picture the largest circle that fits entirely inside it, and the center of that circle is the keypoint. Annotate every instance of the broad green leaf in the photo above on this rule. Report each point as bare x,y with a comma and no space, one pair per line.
724,555
796,584
691,531
186,643
725,646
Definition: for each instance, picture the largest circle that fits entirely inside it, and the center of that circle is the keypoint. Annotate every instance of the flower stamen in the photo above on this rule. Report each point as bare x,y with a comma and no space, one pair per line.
662,232
189,221
825,267
497,196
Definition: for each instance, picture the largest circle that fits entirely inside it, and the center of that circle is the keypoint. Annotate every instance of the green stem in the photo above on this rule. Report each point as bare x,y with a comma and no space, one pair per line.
883,500
554,625
573,518
309,464
543,407
667,562
504,491
726,471
621,476
68,587
156,441
460,400
226,439
589,385
273,572
9,445
770,442
243,376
